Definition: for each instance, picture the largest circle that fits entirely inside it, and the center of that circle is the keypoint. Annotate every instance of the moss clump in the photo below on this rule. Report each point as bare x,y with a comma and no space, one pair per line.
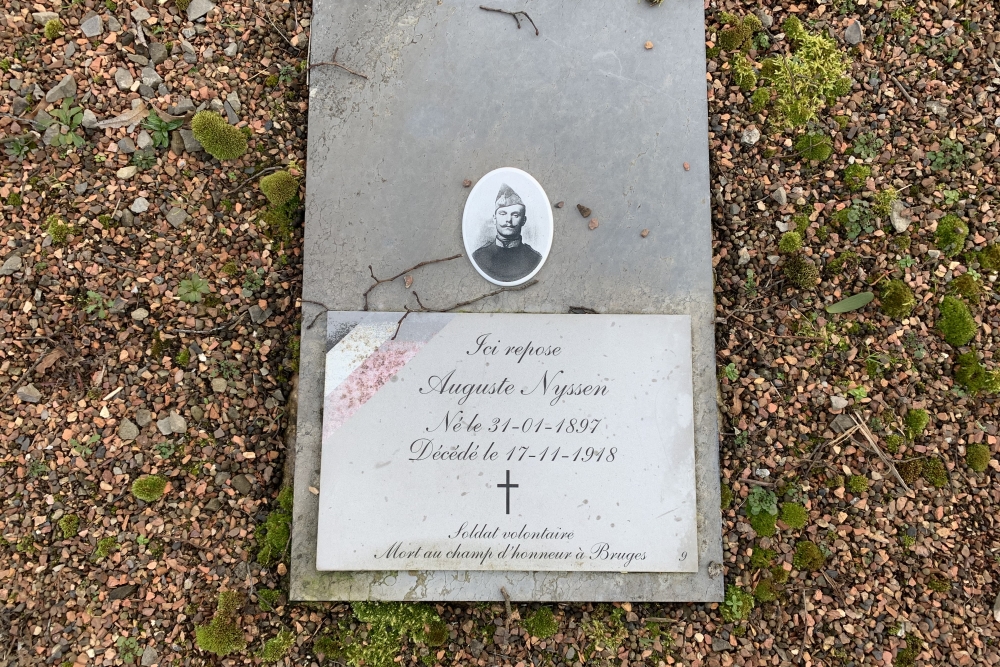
893,442
279,187
801,272
760,99
277,225
182,4
845,261
149,488
856,176
57,229
222,636
541,624
916,421
792,27
267,598
813,75
744,75
977,457
897,299
53,29
951,234
276,647
989,257
794,515
780,575
220,139
939,585
329,648
935,473
14,199
956,323
274,534
790,242
884,201
388,621
910,471
727,496
765,591
183,358
763,524
972,375
808,556
906,656
762,558
69,525
105,547
966,285
814,146
738,33
737,606
857,484
801,222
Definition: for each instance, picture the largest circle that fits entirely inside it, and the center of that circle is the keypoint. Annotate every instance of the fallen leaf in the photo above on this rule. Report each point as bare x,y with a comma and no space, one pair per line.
50,358
851,303
127,118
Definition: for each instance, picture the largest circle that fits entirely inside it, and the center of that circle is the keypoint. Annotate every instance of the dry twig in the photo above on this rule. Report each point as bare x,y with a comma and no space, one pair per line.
333,62
399,275
24,376
518,288
514,14
878,450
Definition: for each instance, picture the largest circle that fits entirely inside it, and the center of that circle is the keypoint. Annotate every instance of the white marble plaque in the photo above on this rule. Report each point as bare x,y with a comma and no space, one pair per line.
508,442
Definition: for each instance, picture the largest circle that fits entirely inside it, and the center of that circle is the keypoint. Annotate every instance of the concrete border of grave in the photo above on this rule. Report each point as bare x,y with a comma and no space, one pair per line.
600,121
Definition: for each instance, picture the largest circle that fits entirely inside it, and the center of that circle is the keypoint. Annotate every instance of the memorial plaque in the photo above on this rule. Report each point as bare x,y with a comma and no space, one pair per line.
508,442
400,198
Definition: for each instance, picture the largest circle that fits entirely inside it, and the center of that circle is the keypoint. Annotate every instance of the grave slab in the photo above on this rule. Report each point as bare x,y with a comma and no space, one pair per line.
454,92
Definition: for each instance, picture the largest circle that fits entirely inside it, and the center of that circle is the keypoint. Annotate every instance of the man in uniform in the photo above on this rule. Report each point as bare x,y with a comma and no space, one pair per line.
507,258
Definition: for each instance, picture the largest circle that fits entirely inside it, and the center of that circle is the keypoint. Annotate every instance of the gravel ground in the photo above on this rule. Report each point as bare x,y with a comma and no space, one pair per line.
107,376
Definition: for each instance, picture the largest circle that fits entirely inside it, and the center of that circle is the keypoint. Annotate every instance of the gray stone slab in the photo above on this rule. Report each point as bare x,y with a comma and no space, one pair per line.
453,93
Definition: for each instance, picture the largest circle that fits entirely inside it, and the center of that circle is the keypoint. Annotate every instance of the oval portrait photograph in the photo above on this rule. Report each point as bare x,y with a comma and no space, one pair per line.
507,226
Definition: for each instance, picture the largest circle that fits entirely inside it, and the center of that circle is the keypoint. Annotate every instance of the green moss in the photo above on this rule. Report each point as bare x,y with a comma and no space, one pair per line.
222,636
57,229
765,591
220,139
542,623
388,622
105,547
845,261
149,488
956,323
951,234
935,473
53,28
977,457
605,631
277,226
884,201
814,146
762,558
329,647
727,496
790,242
989,257
737,606
183,358
972,375
857,484
271,81
69,525
780,575
966,285
273,537
856,176
801,272
267,598
906,656
939,585
916,421
903,242
801,222
14,199
897,299
808,556
792,27
814,74
893,442
763,524
760,99
738,33
276,647
230,268
182,4
794,515
744,75
279,187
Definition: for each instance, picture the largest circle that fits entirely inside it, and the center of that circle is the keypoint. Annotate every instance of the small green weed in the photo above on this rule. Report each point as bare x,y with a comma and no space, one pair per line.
193,289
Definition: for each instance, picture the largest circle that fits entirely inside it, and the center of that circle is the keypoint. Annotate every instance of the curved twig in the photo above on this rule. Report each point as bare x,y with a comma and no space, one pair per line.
471,301
514,14
400,274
